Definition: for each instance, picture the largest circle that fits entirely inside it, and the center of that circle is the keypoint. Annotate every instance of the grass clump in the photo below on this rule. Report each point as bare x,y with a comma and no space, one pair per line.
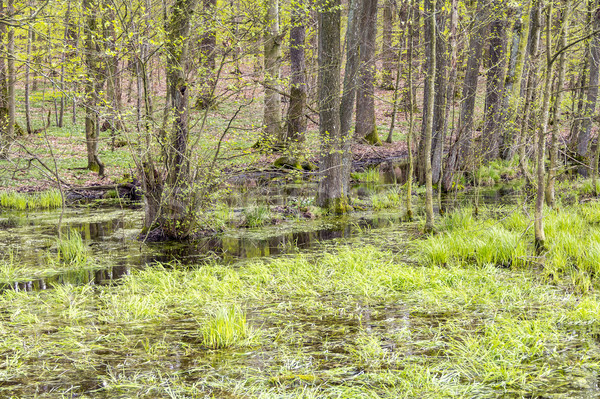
43,200
71,249
463,240
256,216
387,199
226,328
496,171
370,175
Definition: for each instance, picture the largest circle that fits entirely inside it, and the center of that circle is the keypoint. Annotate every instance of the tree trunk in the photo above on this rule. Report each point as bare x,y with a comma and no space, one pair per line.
92,86
349,93
5,139
556,112
495,80
431,71
411,115
366,127
296,121
441,83
178,213
540,238
208,46
531,72
387,49
27,82
451,86
10,55
113,80
591,97
330,194
272,54
462,154
506,124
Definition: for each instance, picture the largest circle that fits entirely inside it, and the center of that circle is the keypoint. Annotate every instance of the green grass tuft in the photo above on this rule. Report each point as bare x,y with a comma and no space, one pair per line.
43,200
257,216
71,249
226,328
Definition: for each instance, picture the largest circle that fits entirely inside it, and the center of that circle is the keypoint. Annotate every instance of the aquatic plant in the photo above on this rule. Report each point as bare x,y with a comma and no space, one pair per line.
495,171
43,200
256,216
387,199
370,175
225,328
70,248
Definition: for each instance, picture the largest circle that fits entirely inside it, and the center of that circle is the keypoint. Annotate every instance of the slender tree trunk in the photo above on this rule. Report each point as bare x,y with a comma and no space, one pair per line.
396,88
272,55
27,82
67,37
208,46
90,8
349,93
592,95
530,93
366,127
387,49
441,83
556,112
113,80
462,154
411,115
330,194
506,126
540,238
10,54
5,139
451,87
579,103
296,121
429,222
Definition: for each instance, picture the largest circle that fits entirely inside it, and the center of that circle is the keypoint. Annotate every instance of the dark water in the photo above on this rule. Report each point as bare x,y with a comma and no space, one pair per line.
112,233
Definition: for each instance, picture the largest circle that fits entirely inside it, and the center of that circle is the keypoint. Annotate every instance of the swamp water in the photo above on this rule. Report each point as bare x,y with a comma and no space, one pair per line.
313,308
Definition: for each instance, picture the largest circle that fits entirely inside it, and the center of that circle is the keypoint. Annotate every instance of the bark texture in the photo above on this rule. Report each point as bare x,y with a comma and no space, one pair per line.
366,128
330,193
296,120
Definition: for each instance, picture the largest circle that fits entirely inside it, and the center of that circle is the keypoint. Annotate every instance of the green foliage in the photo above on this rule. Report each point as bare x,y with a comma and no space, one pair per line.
43,200
497,171
71,249
370,175
572,237
226,328
256,216
387,199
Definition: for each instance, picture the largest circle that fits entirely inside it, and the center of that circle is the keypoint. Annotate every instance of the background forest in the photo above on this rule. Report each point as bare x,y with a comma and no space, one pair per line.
180,95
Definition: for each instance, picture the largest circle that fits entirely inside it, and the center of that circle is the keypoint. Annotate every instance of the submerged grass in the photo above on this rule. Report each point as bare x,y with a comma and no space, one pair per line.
370,175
